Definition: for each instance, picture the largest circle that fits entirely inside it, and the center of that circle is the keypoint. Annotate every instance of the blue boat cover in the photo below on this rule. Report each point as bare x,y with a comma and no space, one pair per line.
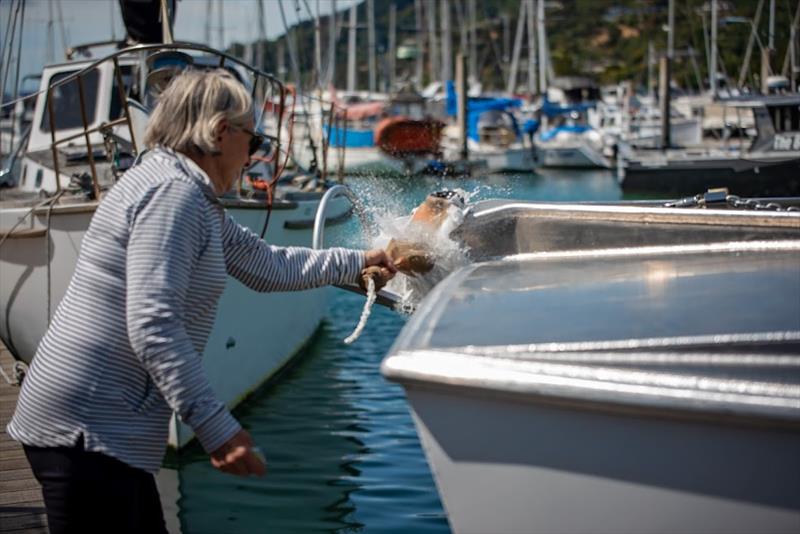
479,105
553,110
351,138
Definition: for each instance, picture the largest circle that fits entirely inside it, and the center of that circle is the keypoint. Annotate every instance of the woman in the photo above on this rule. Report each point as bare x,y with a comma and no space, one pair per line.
124,348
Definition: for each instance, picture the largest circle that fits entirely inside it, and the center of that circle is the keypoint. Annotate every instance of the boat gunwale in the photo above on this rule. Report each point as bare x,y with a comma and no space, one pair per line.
642,214
589,387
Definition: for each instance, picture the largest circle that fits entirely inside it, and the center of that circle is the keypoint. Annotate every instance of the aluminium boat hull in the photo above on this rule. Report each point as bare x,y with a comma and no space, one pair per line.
622,368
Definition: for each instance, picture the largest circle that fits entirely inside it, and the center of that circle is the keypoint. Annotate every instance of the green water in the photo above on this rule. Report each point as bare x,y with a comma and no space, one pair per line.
342,449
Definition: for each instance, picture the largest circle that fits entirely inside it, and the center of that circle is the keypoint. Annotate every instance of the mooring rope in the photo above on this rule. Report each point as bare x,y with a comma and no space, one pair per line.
365,313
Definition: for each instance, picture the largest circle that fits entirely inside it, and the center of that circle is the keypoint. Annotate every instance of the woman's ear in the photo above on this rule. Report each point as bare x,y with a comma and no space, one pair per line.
221,128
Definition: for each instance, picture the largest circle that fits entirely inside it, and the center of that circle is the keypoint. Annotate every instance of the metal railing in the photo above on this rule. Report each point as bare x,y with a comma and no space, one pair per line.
384,297
271,89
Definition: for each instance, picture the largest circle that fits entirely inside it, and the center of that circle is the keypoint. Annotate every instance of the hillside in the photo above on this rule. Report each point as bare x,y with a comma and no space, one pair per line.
605,39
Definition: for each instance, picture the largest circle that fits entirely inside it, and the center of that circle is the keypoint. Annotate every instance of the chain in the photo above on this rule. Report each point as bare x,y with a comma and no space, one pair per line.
717,197
753,204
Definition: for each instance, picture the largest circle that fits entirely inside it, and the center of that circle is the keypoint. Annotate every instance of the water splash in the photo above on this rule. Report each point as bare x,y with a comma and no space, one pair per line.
446,253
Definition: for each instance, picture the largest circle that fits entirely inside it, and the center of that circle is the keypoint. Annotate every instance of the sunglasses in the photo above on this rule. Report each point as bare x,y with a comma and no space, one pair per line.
257,140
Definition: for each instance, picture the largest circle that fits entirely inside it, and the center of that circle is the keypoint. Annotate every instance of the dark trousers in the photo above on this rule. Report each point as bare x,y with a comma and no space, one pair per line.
89,492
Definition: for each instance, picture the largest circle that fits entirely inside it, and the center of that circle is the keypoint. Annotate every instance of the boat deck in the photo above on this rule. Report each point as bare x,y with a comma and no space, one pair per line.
21,505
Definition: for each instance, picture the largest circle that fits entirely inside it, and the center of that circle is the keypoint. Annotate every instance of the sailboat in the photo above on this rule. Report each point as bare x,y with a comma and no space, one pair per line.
87,129
494,133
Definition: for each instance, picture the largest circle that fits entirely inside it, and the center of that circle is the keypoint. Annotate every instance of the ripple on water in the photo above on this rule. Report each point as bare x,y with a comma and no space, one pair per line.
342,449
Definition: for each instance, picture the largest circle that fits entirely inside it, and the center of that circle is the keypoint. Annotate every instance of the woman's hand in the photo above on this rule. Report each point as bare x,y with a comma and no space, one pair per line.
237,457
379,258
380,266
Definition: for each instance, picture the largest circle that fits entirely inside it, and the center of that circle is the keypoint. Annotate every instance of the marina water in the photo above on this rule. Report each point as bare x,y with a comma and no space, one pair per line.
342,450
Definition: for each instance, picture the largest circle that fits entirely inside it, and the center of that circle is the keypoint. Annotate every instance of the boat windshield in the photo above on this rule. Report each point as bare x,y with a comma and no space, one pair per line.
67,104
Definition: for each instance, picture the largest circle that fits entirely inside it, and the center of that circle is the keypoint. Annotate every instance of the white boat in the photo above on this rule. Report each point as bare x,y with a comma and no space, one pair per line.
353,138
43,221
612,368
571,146
495,137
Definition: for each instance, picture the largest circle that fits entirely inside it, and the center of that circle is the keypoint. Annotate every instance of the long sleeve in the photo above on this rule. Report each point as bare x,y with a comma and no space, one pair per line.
264,267
167,237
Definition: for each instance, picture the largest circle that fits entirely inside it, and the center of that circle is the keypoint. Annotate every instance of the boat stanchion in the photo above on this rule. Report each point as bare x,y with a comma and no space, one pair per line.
383,297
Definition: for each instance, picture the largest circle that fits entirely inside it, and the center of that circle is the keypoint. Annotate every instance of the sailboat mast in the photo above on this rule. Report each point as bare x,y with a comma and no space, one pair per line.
420,43
531,18
512,74
392,44
750,42
771,41
650,63
371,44
473,40
447,53
333,34
665,73
221,29
671,29
712,75
318,48
540,33
262,36
351,48
433,49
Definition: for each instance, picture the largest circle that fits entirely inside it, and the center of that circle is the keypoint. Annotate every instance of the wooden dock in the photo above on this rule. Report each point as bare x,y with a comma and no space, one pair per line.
21,505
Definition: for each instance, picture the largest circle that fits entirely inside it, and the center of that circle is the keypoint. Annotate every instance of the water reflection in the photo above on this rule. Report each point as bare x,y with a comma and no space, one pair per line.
342,452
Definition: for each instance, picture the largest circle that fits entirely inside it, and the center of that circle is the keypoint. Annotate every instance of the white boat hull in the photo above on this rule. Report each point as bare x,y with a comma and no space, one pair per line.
253,336
576,156
507,466
517,158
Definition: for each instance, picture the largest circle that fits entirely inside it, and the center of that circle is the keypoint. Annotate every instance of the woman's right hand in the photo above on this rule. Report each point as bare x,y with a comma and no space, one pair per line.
237,457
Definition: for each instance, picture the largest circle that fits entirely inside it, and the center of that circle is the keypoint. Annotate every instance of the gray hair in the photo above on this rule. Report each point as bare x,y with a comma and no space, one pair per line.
192,106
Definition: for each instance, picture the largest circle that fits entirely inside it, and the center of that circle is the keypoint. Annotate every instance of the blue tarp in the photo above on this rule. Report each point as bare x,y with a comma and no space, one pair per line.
531,126
576,128
553,110
351,138
478,105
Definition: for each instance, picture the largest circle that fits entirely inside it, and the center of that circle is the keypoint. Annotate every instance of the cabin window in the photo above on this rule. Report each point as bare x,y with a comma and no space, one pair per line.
38,182
66,101
24,175
785,118
128,80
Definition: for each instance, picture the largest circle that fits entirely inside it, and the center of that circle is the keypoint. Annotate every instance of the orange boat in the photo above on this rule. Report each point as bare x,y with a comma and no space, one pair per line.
401,136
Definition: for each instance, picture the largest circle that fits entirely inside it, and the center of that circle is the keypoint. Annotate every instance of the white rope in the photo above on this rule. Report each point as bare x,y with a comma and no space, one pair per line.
365,313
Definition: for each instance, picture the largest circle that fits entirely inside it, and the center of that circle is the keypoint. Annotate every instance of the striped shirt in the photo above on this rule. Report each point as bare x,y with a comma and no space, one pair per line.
124,347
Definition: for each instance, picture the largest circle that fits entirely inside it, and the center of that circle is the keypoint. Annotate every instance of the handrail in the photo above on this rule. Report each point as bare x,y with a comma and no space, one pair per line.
11,160
146,47
270,81
386,298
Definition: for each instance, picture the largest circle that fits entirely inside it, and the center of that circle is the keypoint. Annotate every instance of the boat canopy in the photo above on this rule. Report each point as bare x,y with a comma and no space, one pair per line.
480,106
351,137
